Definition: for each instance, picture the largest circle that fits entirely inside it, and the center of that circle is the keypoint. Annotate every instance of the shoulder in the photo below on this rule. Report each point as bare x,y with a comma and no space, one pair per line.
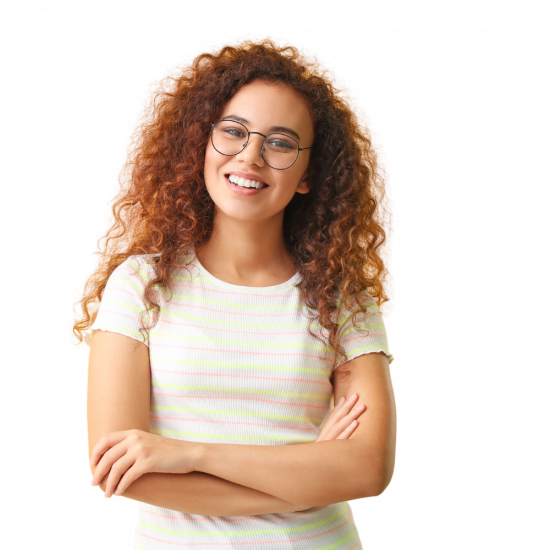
137,262
140,267
130,278
364,302
363,296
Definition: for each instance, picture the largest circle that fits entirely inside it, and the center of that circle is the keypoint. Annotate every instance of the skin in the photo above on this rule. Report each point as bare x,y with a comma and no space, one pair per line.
246,246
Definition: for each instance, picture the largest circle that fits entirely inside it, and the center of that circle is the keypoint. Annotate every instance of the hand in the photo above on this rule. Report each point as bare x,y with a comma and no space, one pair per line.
339,424
129,454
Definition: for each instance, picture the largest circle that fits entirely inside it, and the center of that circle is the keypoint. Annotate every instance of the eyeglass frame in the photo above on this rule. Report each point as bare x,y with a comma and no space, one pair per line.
263,142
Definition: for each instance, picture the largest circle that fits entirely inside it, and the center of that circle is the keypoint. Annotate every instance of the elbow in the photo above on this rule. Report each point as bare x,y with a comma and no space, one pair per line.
380,487
379,480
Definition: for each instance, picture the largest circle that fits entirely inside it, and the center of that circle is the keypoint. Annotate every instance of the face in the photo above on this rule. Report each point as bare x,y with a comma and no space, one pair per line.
264,106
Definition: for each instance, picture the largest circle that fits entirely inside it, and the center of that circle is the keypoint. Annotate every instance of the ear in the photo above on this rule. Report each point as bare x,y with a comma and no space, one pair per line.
303,186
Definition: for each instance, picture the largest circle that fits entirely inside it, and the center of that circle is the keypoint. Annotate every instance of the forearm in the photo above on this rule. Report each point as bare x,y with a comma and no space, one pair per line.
203,494
315,475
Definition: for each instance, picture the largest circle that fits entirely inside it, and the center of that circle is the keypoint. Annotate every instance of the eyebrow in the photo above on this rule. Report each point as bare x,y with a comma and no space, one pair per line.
272,129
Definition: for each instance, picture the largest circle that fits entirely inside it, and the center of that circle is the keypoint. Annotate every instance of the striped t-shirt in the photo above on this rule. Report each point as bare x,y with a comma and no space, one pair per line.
235,364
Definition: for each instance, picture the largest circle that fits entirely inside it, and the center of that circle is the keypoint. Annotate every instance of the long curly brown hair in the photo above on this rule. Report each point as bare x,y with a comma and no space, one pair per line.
334,233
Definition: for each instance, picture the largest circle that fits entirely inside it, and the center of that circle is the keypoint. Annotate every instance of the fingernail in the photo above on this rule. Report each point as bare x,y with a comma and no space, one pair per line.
94,482
107,494
353,423
352,397
342,399
117,493
359,406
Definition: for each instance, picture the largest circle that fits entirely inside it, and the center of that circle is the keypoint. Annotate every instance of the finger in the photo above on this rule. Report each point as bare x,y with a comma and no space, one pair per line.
349,403
344,422
106,463
118,470
337,413
353,414
333,424
101,447
341,411
349,430
105,443
346,405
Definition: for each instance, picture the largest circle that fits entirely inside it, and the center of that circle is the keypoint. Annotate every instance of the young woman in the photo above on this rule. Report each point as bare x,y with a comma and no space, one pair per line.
239,295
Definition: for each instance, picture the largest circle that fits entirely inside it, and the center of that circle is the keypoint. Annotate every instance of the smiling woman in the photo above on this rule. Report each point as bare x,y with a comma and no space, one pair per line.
239,298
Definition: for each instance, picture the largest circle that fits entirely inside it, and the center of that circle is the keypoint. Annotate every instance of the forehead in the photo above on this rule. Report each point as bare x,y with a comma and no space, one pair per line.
266,104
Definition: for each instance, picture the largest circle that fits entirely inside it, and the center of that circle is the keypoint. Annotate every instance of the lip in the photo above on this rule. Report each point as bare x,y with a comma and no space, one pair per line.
243,190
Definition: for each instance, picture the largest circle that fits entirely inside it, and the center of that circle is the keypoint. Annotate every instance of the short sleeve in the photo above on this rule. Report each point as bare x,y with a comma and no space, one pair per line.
369,336
122,305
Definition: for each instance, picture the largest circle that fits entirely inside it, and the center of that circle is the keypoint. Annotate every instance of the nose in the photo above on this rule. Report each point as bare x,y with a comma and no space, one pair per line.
252,153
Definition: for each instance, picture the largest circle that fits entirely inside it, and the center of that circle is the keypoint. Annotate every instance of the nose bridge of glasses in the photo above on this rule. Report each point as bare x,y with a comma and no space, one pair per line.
262,140
263,136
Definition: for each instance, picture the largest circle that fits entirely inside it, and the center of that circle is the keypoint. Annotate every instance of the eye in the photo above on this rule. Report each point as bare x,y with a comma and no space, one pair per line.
233,132
281,144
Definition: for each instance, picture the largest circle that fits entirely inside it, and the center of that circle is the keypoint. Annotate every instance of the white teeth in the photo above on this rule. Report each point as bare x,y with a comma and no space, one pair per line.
241,182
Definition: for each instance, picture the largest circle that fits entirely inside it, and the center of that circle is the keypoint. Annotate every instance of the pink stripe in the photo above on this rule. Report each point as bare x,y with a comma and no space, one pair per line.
210,350
263,314
228,330
208,374
240,399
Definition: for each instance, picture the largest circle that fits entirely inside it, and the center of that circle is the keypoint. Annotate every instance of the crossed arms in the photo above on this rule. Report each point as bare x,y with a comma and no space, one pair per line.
248,479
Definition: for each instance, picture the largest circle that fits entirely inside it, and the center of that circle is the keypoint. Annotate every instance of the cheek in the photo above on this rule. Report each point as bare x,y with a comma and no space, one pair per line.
208,160
211,160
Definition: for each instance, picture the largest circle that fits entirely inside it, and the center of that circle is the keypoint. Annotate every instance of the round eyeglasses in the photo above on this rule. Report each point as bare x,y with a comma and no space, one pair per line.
279,151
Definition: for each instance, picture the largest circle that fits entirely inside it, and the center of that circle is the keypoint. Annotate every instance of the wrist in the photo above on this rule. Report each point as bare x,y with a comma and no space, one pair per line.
199,456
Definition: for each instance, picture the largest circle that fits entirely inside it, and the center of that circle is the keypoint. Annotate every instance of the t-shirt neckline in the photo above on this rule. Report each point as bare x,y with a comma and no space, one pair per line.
256,289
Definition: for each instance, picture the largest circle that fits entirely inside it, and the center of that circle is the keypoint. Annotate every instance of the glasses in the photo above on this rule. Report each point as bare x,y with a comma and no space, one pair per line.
279,151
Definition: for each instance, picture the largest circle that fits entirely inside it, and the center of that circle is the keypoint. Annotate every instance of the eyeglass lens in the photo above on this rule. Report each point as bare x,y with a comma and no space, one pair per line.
229,138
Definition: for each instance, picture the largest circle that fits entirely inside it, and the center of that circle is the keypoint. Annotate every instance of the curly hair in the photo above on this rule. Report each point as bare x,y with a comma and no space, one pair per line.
333,234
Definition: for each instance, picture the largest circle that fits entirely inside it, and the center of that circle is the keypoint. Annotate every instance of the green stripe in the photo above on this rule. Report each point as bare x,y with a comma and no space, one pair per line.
338,543
138,544
232,413
189,362
240,390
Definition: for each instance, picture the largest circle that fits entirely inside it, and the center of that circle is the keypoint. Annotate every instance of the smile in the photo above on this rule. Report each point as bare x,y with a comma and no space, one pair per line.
238,185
